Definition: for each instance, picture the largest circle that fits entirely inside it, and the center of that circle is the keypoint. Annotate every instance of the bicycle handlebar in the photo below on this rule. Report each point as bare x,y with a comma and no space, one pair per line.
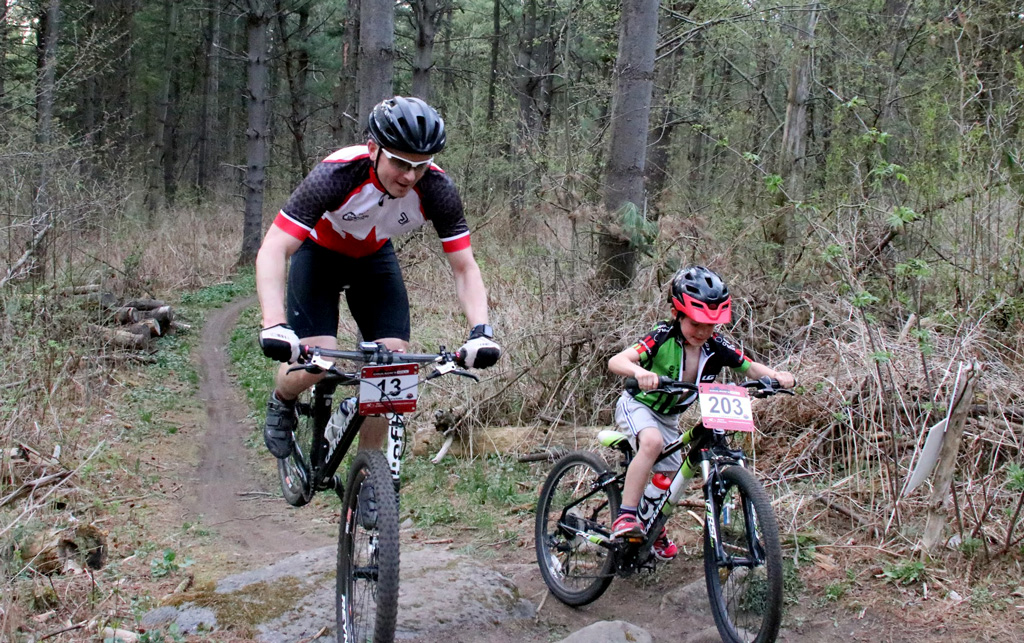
372,353
763,387
314,359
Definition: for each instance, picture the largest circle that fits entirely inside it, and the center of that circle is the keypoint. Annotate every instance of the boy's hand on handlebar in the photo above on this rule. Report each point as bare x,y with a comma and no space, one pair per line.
279,342
646,379
786,379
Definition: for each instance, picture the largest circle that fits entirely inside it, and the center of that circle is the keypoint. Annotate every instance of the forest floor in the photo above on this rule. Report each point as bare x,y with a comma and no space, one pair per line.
214,501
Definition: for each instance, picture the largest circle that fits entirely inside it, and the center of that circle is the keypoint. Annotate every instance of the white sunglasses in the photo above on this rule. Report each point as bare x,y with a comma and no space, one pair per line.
404,165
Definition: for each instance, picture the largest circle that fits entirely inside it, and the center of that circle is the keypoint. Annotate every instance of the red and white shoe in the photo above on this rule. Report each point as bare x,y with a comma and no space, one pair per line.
627,525
664,548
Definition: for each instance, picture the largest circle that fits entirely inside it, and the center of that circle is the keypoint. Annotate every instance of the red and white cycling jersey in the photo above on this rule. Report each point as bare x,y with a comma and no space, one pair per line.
342,206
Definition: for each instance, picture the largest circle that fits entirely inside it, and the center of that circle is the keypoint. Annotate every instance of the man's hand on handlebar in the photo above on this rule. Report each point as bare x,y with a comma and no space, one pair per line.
479,351
279,342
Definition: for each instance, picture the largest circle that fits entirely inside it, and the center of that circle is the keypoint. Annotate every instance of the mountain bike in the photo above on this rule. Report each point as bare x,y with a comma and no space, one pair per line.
579,558
366,594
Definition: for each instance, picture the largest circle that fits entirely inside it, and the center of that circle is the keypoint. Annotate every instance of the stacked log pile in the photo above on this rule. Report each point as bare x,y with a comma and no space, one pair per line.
131,324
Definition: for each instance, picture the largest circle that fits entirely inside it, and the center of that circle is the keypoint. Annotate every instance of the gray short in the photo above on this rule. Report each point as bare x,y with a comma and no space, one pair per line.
632,417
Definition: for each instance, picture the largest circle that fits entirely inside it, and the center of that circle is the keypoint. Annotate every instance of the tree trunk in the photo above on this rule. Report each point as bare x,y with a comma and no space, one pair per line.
426,14
296,69
794,137
663,105
207,157
492,76
46,80
376,54
4,8
257,24
631,106
345,125
946,465
162,108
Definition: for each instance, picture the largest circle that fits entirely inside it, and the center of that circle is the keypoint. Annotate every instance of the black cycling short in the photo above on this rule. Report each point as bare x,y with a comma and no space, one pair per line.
375,292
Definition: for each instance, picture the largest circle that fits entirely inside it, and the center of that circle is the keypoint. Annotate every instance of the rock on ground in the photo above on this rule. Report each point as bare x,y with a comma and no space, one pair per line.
609,632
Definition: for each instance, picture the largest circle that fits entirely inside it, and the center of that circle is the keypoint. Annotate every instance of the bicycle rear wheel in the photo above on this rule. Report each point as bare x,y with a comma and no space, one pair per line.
366,594
745,584
573,512
295,470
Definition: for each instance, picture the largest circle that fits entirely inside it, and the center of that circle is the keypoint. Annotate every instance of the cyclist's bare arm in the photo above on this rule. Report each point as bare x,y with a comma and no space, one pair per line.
758,370
271,271
469,285
627,364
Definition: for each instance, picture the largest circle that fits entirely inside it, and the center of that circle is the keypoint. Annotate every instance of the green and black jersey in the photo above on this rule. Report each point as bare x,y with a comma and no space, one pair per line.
661,352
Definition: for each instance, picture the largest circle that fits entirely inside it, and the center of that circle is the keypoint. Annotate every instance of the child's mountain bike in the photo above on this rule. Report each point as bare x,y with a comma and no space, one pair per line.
366,594
742,556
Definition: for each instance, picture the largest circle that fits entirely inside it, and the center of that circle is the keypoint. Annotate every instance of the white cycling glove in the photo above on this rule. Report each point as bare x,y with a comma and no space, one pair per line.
479,351
280,343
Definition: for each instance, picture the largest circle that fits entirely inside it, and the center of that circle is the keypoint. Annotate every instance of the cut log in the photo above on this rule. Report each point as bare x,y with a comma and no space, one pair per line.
149,327
103,300
163,314
120,338
146,304
128,315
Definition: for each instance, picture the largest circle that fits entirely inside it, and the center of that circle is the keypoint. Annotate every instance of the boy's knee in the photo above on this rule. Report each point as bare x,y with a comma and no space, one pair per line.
650,441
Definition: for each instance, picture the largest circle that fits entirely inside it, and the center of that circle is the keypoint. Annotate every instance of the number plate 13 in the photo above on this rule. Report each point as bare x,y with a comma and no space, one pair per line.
726,407
388,389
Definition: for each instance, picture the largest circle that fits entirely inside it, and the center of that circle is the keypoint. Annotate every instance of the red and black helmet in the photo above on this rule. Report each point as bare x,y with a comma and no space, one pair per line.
701,295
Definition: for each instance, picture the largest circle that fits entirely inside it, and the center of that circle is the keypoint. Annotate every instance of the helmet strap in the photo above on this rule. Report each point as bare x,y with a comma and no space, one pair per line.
376,164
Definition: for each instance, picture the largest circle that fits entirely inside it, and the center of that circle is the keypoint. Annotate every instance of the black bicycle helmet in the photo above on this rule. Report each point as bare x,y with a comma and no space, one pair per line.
407,125
701,295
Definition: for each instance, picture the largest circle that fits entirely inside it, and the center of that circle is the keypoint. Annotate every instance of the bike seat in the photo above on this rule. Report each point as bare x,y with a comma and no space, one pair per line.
615,440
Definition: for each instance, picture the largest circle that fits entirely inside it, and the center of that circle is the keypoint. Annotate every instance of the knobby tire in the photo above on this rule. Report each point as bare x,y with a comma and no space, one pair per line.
746,599
366,597
575,570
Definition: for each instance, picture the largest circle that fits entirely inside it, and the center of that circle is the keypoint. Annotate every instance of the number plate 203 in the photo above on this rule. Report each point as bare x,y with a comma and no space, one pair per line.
388,389
726,407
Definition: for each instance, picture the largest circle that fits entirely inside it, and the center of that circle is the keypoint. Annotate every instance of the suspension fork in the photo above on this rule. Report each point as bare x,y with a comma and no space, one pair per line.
396,446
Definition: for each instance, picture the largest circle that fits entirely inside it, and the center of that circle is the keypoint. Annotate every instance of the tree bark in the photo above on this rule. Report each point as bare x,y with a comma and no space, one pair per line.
376,54
46,81
344,125
492,75
426,15
794,136
256,134
207,157
157,160
296,68
631,106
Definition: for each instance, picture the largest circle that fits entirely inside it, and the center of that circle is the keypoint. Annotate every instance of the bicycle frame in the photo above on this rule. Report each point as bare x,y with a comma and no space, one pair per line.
713,454
322,403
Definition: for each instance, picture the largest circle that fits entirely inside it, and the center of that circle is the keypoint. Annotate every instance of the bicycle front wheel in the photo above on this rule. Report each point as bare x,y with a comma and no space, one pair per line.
744,582
574,514
366,596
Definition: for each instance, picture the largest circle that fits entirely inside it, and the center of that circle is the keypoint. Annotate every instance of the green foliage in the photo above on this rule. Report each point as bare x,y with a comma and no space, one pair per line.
906,572
773,183
167,564
640,231
901,215
864,299
1014,477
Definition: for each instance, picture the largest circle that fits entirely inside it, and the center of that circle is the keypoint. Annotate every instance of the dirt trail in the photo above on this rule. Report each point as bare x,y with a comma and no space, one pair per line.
224,469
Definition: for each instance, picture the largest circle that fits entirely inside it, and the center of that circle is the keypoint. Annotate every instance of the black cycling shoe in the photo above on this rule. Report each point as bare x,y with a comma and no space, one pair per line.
281,421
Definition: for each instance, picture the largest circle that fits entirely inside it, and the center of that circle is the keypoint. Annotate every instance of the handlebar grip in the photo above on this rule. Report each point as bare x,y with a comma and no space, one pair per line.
632,384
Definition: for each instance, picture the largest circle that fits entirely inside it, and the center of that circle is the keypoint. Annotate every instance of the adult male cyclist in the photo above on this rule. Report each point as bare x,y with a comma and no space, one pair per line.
336,229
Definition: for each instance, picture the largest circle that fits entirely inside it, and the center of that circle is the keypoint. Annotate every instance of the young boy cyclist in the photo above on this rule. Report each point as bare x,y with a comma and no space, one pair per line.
685,348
